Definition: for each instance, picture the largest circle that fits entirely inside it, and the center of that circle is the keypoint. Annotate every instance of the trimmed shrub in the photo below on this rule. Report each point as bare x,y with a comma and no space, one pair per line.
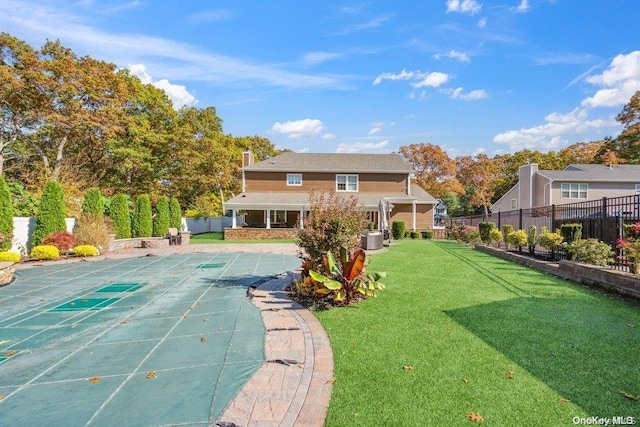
52,213
506,229
9,256
120,217
175,214
414,234
427,234
93,203
532,239
591,251
571,232
6,215
495,236
517,238
407,234
86,250
464,233
141,225
485,231
92,230
550,241
45,252
397,230
63,240
161,218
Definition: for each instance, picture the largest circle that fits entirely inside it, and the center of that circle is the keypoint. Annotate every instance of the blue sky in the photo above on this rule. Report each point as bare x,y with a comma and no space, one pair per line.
369,76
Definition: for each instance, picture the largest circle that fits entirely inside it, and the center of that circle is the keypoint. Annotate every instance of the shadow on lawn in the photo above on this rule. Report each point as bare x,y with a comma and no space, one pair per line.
583,348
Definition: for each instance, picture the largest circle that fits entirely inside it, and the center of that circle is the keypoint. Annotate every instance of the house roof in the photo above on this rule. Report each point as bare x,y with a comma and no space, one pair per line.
332,162
588,172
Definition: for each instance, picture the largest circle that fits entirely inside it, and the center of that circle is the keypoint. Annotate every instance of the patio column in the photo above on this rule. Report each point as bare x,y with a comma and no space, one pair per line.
268,218
234,221
414,216
301,218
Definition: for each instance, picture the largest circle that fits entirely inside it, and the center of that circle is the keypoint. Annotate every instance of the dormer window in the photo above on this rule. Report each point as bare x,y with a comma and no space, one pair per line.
346,182
294,179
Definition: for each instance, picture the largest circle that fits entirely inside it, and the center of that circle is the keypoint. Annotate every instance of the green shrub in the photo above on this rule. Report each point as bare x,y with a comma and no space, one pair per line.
175,214
495,236
161,218
532,239
6,215
407,234
397,230
464,233
120,217
427,234
591,251
484,228
45,252
571,232
414,234
63,240
86,250
550,241
52,213
9,256
141,225
517,238
93,203
92,230
506,229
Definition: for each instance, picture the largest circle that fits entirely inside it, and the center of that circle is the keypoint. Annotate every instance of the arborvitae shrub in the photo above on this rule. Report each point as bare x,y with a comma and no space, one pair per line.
120,217
397,230
63,240
142,225
506,230
6,215
571,232
161,218
45,252
532,239
175,214
52,213
93,203
485,231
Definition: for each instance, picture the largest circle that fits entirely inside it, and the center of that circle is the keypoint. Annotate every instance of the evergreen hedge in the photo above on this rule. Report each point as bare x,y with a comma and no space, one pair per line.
175,214
120,218
485,231
397,230
161,218
93,203
571,232
6,215
142,225
52,213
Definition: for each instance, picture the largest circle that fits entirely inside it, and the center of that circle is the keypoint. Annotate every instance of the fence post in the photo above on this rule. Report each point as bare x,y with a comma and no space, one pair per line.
499,220
553,218
603,214
520,220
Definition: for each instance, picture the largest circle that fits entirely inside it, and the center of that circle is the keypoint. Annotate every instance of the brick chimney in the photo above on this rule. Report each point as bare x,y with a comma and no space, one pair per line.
247,158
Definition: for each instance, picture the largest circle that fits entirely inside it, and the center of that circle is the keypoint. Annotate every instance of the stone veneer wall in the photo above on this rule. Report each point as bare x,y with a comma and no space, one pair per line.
260,233
6,273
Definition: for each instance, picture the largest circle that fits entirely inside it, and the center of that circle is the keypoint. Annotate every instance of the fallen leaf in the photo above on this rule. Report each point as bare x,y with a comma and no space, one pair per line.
631,325
203,339
206,319
509,375
94,380
465,380
407,368
151,374
1,397
477,418
11,353
4,342
630,396
564,401
124,322
1,302
332,380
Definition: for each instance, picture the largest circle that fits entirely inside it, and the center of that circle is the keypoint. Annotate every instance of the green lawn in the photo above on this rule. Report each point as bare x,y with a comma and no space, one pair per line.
460,332
218,237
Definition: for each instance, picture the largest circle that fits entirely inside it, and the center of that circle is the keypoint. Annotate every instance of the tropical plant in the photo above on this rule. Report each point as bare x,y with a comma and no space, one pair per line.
51,217
142,226
63,240
41,252
6,215
161,218
120,217
93,203
590,251
175,214
347,279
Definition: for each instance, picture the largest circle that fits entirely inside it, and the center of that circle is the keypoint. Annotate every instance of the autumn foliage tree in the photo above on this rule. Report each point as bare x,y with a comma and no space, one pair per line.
478,174
435,171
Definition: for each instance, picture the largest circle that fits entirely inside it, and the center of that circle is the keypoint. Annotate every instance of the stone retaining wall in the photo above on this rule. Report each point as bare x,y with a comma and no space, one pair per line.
591,275
6,273
260,233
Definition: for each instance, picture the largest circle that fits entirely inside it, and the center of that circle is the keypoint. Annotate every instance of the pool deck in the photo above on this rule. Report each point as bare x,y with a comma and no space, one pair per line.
293,387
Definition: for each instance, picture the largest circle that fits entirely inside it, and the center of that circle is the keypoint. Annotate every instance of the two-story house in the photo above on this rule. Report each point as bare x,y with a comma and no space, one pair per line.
275,192
575,183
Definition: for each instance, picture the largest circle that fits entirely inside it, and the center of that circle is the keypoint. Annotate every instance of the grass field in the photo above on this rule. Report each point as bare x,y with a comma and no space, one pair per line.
458,332
218,237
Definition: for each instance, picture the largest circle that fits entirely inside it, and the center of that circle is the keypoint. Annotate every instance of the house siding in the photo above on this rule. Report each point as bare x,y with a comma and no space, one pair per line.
257,182
595,190
424,217
541,191
504,204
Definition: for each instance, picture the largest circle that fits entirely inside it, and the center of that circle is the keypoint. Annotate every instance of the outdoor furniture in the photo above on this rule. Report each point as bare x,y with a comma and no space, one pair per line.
174,236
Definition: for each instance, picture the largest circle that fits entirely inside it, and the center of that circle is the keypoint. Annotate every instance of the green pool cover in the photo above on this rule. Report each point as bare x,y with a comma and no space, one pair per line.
140,341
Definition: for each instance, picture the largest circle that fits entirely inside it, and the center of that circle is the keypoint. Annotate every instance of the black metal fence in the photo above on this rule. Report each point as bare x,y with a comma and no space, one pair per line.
601,219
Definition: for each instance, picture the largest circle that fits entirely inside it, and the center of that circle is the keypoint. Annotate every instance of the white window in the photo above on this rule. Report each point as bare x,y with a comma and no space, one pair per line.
346,182
514,204
278,217
574,191
637,188
294,179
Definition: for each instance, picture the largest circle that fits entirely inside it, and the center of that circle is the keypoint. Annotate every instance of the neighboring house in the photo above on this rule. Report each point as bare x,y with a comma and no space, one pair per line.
440,216
275,192
575,183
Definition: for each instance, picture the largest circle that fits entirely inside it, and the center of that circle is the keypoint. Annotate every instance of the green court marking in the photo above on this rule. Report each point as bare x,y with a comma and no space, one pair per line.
121,287
2,359
218,265
81,304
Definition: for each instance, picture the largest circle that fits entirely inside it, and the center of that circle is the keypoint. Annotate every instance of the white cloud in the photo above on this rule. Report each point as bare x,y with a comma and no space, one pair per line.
474,95
377,128
328,136
621,80
299,128
454,54
434,79
523,7
177,93
479,150
482,23
315,58
364,147
464,6
404,75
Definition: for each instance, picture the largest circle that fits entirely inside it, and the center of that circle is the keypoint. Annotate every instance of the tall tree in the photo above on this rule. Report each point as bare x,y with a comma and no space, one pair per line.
627,144
435,171
51,217
479,173
6,216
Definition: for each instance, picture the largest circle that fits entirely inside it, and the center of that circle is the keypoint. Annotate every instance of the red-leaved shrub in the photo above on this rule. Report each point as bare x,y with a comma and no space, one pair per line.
63,240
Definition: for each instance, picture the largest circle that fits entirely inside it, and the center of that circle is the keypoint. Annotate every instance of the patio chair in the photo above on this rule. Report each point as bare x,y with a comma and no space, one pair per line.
174,236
